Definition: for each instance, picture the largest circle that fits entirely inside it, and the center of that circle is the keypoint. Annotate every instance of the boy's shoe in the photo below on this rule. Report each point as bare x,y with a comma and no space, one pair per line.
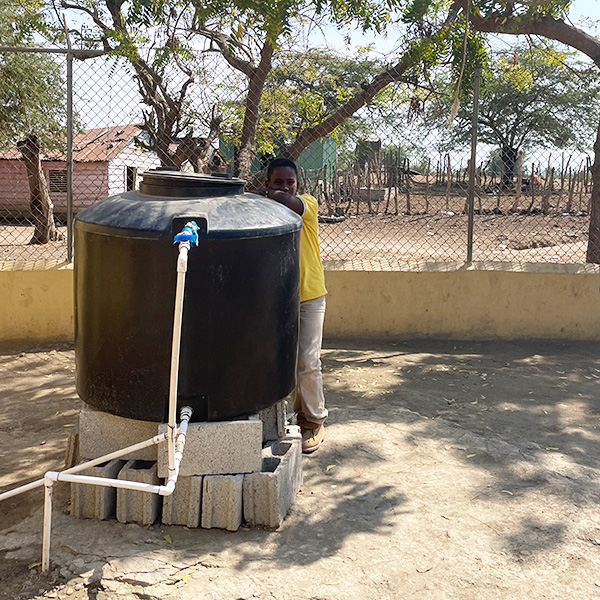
312,436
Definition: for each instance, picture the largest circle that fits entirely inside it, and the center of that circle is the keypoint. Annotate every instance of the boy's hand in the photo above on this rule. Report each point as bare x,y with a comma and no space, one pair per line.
292,202
278,195
263,192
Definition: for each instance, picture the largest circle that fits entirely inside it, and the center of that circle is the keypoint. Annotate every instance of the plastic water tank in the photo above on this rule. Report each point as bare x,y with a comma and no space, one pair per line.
240,319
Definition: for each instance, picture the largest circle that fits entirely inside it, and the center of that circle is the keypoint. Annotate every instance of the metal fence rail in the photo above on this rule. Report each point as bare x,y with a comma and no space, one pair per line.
387,192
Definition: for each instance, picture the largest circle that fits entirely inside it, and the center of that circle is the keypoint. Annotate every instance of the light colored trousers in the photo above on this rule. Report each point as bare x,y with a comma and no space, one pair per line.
309,400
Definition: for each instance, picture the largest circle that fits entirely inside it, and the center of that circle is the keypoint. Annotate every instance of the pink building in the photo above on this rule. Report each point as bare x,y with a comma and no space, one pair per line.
105,162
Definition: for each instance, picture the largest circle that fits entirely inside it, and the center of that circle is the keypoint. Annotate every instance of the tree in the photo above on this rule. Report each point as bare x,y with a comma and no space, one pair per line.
544,20
248,36
530,97
317,81
33,115
157,39
428,45
301,90
153,39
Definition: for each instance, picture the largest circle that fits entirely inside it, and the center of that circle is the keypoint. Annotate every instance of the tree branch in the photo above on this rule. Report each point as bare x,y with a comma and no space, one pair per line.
370,90
545,26
224,43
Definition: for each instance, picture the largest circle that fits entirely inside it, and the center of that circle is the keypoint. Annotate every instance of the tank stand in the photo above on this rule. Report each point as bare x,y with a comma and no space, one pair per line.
246,470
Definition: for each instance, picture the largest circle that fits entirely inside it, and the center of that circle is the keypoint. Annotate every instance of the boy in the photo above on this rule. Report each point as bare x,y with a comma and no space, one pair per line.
309,402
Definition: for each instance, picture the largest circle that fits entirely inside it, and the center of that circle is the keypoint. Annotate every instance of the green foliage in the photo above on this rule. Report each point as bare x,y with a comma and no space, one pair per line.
531,10
32,97
271,17
369,15
150,12
416,10
304,89
466,58
324,75
530,97
315,83
32,88
21,19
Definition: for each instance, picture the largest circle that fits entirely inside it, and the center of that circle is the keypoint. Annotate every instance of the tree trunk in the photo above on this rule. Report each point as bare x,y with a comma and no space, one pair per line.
163,151
515,205
508,156
593,249
41,205
251,114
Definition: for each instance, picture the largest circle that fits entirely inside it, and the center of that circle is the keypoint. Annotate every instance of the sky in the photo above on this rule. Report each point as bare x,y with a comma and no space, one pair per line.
585,9
583,13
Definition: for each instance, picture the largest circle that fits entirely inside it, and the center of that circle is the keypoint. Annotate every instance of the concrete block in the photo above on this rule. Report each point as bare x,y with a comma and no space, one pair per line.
72,456
274,421
101,433
183,506
268,495
222,501
217,448
134,506
92,501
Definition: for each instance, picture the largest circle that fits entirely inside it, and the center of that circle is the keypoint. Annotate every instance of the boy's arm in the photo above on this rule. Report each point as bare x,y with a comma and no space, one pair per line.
292,202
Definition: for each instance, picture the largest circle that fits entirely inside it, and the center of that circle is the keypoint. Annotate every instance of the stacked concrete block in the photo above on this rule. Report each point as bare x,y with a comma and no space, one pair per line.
268,495
184,505
227,472
134,506
92,501
274,421
222,501
217,448
72,456
101,433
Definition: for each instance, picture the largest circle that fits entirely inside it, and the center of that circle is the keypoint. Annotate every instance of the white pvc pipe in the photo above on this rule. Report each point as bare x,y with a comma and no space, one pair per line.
182,261
52,476
69,476
47,524
175,446
123,484
157,439
186,413
169,487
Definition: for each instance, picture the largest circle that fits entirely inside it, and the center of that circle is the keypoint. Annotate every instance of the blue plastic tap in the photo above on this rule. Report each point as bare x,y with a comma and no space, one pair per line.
188,234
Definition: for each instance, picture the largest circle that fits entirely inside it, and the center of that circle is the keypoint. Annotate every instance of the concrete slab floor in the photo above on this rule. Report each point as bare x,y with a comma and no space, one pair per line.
449,470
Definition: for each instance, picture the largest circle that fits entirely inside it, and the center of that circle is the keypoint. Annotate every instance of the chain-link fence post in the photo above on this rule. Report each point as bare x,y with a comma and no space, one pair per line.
472,169
69,151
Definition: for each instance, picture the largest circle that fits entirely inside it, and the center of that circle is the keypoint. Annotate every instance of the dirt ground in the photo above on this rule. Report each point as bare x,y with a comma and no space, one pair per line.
443,237
449,471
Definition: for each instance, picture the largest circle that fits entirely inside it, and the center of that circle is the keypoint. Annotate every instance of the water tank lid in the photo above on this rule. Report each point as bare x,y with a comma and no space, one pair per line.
167,199
168,182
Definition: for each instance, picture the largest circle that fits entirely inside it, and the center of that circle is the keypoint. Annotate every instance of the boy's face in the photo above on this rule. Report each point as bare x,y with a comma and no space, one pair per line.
283,178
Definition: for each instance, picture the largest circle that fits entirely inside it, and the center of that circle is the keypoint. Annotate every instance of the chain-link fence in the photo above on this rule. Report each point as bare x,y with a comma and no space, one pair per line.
391,179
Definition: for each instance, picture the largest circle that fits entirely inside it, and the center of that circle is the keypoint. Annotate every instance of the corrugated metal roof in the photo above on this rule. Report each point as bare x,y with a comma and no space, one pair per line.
96,145
92,145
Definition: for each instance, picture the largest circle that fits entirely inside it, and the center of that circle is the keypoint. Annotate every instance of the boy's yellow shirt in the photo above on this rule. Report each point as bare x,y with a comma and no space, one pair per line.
312,277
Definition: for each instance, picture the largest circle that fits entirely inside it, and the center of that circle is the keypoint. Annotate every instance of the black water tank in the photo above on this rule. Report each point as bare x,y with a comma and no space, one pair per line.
240,321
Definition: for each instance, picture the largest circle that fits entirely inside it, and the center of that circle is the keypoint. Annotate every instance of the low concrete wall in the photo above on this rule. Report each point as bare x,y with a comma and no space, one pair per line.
485,301
36,300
